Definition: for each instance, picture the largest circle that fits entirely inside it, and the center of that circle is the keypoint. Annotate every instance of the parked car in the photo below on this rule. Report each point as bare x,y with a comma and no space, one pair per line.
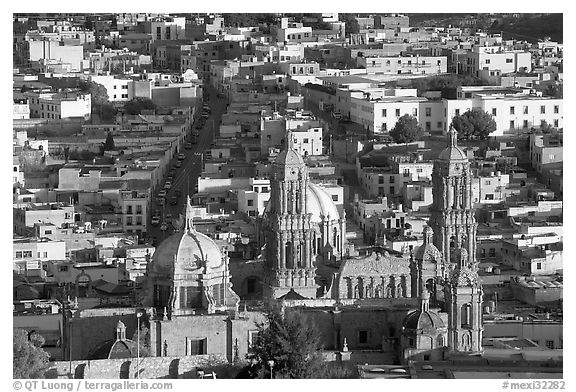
155,220
181,157
179,164
162,193
167,185
188,146
173,200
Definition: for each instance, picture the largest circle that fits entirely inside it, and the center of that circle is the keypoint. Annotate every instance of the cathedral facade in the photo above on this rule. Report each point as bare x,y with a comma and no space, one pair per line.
302,229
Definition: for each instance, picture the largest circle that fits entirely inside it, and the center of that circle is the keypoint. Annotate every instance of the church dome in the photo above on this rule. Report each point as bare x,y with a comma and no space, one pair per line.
319,203
452,152
289,157
187,250
423,321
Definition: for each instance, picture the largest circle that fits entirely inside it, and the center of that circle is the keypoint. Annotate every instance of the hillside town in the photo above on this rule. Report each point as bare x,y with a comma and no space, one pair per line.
187,188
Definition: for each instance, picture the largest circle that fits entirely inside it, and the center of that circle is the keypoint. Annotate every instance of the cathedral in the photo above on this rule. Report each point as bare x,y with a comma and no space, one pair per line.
416,305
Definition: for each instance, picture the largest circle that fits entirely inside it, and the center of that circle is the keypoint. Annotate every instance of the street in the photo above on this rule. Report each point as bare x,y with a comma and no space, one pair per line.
185,177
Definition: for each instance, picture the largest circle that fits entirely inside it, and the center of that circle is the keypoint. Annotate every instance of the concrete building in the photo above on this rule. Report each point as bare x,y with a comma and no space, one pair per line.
30,253
252,201
293,32
72,55
536,255
399,65
57,106
494,58
546,151
25,216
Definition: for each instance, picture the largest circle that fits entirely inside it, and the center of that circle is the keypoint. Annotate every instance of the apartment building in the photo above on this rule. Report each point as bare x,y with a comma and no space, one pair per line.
293,32
135,202
252,201
26,215
29,253
55,50
21,109
536,255
117,88
400,65
56,106
391,180
546,151
494,58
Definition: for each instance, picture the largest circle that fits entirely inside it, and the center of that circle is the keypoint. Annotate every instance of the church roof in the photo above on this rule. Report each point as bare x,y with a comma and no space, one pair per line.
292,295
187,250
376,264
115,349
452,152
289,157
424,322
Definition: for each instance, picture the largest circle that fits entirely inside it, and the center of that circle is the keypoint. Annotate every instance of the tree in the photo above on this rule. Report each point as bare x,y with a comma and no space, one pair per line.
30,360
292,341
479,124
107,112
136,105
109,143
99,94
406,130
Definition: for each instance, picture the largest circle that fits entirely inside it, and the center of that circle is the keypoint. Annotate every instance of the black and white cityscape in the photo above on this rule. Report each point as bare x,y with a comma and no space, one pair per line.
288,196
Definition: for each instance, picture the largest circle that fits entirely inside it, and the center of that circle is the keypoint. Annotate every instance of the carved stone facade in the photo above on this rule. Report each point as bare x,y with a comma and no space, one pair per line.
302,229
454,225
380,275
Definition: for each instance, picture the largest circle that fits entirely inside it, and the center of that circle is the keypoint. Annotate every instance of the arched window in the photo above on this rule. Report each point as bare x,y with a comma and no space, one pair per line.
466,316
440,341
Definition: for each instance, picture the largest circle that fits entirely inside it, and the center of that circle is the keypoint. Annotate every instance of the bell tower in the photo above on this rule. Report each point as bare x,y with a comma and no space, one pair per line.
454,224
288,229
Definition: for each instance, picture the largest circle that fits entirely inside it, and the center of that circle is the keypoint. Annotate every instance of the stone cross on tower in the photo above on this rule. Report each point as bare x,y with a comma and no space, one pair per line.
452,136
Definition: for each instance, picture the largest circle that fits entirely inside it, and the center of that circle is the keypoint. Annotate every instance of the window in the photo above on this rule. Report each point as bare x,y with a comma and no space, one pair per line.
139,209
380,180
264,189
556,123
415,112
509,61
550,344
63,268
538,266
392,190
27,253
384,126
253,336
439,124
487,61
511,124
305,140
511,109
428,112
492,252
525,124
138,220
428,126
457,112
391,179
494,111
19,254
335,197
397,112
129,221
195,346
250,203
525,110
542,109
383,112
556,109
45,255
363,337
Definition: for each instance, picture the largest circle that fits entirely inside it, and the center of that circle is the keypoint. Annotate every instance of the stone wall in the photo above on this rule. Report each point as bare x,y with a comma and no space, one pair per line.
150,367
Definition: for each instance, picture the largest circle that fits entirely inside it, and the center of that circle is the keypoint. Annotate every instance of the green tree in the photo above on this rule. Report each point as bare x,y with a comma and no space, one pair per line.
30,360
107,112
109,143
292,341
406,130
99,94
474,124
136,105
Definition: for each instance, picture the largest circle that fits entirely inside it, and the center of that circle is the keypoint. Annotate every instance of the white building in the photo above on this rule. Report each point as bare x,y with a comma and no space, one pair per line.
56,106
118,89
252,201
400,65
